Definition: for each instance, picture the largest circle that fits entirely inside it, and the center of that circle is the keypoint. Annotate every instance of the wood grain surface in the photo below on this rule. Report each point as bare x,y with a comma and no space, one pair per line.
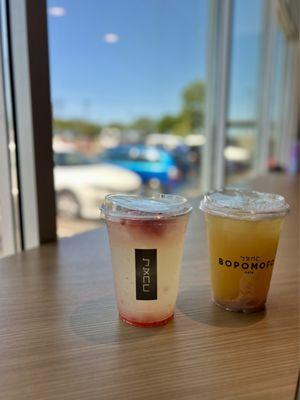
61,339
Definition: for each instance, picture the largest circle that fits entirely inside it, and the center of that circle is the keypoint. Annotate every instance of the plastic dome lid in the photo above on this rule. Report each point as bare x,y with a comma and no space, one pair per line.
159,206
244,204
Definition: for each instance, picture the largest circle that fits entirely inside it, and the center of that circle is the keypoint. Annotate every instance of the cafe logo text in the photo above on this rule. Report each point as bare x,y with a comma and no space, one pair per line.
247,263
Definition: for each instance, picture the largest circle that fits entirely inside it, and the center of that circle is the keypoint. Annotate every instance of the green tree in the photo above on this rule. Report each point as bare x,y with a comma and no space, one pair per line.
144,125
116,125
193,104
166,123
183,126
191,116
189,119
78,127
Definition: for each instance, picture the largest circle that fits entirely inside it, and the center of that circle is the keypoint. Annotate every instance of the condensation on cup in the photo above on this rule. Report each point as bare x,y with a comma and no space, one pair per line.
146,236
243,229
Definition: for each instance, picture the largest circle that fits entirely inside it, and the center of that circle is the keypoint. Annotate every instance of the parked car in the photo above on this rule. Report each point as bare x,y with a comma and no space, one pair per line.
183,150
81,185
156,167
237,159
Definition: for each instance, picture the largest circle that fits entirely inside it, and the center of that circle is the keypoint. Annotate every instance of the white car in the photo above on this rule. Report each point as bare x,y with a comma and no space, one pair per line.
81,186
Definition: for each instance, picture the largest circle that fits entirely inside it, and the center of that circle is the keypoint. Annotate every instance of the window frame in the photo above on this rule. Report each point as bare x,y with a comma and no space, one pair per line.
29,68
277,15
7,227
265,91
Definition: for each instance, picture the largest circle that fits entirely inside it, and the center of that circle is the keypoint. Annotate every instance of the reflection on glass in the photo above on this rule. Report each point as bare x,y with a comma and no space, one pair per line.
276,101
242,118
128,94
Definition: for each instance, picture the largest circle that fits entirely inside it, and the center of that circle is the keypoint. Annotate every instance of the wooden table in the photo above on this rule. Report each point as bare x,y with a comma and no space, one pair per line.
60,337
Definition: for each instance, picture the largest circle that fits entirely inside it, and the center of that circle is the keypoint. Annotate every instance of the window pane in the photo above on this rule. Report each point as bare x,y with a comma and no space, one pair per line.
127,82
276,104
242,114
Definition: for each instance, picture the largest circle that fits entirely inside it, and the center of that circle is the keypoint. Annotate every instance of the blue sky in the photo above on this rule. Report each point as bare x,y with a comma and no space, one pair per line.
158,47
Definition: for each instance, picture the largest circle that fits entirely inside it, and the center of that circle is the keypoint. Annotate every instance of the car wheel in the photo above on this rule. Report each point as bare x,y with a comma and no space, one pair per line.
68,204
154,184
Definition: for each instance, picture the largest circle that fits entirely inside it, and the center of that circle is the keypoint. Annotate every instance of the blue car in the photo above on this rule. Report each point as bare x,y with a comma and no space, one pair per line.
156,167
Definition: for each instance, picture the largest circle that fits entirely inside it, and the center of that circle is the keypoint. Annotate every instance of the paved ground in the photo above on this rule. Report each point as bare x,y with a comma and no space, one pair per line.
69,227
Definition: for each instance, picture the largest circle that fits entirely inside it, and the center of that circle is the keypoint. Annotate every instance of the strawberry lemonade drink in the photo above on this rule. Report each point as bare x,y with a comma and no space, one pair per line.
146,237
243,233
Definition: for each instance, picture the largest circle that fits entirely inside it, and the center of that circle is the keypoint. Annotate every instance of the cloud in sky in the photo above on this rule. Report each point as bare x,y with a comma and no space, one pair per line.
111,38
57,11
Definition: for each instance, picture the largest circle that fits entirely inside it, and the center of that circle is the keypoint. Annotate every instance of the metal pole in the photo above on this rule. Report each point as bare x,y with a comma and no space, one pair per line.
218,67
222,92
265,89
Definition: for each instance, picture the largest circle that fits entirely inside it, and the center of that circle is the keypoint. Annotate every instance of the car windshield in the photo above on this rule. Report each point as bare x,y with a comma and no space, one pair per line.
63,159
150,155
131,154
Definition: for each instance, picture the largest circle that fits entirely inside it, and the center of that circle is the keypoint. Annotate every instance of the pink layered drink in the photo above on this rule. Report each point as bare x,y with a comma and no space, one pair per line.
146,239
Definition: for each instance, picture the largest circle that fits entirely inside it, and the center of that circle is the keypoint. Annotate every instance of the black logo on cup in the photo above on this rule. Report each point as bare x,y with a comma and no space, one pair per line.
256,265
146,274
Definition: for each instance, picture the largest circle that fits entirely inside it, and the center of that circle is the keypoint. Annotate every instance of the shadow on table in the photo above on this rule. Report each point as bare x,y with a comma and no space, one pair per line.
97,321
197,305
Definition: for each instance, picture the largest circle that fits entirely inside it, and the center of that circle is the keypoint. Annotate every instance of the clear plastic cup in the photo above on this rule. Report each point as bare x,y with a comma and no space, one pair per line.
146,237
243,232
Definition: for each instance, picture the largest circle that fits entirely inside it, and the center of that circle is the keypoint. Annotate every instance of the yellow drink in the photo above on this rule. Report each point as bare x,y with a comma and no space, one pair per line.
242,255
243,232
